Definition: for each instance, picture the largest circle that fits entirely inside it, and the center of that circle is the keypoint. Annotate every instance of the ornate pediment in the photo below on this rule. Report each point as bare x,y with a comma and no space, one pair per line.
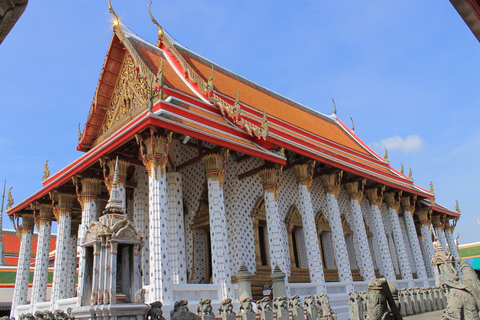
293,218
321,222
131,96
125,230
95,229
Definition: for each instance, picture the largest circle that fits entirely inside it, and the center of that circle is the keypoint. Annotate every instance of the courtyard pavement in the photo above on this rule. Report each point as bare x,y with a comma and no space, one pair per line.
434,315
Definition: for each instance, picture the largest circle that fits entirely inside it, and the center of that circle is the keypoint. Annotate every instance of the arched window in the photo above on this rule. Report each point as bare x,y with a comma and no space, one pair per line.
348,233
326,248
202,252
299,270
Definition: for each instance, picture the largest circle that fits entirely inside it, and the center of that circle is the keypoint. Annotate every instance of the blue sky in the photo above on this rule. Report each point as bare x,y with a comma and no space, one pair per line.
405,71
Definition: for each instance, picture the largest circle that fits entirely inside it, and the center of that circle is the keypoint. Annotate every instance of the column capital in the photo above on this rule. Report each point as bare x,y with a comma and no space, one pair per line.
304,174
408,203
355,189
27,225
375,196
91,187
64,204
121,173
154,151
45,214
271,179
438,221
450,224
331,182
216,166
425,215
392,199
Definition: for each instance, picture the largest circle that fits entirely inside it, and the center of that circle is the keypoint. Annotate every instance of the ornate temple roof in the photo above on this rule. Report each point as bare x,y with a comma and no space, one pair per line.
182,91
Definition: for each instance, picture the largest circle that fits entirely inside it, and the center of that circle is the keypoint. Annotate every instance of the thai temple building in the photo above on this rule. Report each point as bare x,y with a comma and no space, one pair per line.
191,171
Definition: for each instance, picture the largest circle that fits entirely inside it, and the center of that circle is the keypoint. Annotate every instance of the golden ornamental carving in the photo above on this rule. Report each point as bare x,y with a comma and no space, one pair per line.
401,168
64,204
154,151
91,187
375,196
450,224
355,189
425,217
271,179
129,98
293,218
346,226
431,188
331,182
410,176
385,157
438,221
215,166
121,174
45,214
408,203
392,199
45,171
206,89
28,223
457,207
304,174
10,199
321,223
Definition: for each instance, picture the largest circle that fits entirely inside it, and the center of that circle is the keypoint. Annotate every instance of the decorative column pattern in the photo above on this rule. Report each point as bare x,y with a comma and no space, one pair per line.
140,219
449,227
177,234
122,177
362,249
215,167
392,199
271,186
331,185
62,213
87,198
303,175
375,197
424,216
415,248
438,222
40,277
72,259
25,232
154,151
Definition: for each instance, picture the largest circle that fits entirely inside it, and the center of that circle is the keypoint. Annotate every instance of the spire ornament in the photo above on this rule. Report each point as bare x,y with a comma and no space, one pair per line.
385,157
160,32
431,188
457,208
410,174
116,20
334,107
210,86
401,170
45,171
114,204
353,124
10,199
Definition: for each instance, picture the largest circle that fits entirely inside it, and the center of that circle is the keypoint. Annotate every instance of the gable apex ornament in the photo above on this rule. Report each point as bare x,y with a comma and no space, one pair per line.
431,188
385,157
160,32
45,171
116,20
457,208
401,168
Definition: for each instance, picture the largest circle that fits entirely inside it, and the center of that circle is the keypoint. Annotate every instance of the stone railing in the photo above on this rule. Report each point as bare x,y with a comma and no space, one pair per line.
408,301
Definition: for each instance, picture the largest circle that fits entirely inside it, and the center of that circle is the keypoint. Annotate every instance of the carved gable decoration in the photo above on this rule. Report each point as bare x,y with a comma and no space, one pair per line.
125,230
130,97
346,226
93,231
293,219
322,223
258,212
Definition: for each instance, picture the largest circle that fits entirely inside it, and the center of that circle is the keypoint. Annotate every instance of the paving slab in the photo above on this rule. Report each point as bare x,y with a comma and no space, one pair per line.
434,315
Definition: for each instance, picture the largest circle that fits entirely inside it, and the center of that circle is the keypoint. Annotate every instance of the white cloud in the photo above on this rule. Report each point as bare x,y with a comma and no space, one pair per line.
412,143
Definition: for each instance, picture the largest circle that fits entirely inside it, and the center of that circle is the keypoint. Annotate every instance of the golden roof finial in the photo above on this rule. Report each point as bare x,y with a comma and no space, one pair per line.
401,170
457,208
410,176
160,29
10,199
210,81
353,124
385,157
334,107
264,122
116,20
79,132
45,171
431,188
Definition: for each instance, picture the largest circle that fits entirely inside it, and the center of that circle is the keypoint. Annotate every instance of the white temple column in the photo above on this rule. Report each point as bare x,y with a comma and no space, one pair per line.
40,277
375,197
271,186
415,248
215,166
140,219
438,225
62,213
72,259
392,199
303,175
178,267
360,239
25,232
424,216
331,185
87,198
449,227
122,178
443,233
154,150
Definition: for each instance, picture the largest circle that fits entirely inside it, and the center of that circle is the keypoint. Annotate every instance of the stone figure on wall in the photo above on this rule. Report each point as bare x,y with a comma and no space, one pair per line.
246,305
325,311
155,312
226,307
181,312
355,306
204,307
462,296
377,308
264,304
